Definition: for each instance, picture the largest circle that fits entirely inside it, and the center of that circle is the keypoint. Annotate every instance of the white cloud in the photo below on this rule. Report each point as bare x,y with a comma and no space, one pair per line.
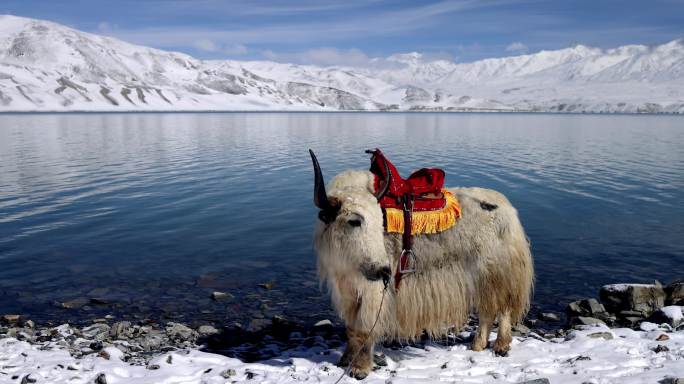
517,47
205,45
397,21
235,49
323,56
352,57
106,27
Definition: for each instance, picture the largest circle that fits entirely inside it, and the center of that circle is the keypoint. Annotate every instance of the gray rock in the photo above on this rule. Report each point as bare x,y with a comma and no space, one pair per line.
536,381
151,342
380,360
675,293
644,298
665,316
601,335
218,296
672,380
101,379
75,303
11,319
98,292
550,317
584,320
96,331
295,335
207,330
323,323
632,321
98,301
228,373
95,346
63,330
574,309
520,329
180,332
630,313
267,286
585,307
28,379
257,325
25,335
579,358
120,330
594,306
256,314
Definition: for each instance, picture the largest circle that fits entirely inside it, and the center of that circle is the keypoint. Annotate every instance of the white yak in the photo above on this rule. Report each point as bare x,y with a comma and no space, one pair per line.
482,264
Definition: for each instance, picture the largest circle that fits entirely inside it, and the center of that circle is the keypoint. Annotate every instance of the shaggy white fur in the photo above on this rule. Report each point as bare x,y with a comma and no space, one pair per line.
482,264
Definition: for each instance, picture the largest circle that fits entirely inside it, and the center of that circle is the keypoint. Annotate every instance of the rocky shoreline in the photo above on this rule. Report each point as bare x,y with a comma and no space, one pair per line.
643,307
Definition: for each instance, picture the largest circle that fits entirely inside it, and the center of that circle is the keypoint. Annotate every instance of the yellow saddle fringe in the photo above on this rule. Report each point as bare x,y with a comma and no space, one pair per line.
426,221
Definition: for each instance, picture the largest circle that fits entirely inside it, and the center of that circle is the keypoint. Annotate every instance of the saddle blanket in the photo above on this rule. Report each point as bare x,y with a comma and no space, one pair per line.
425,222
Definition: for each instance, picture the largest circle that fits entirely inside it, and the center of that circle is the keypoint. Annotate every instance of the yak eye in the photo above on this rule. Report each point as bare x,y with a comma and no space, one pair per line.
354,222
327,216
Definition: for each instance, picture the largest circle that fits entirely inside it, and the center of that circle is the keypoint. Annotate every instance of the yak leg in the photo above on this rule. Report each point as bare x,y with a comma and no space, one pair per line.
504,337
359,353
485,320
346,356
352,348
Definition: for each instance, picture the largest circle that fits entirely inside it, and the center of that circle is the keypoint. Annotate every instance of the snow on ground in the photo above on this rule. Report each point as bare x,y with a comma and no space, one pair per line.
593,355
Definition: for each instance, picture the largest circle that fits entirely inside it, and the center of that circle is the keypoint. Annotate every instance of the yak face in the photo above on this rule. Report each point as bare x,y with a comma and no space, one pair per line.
352,233
349,234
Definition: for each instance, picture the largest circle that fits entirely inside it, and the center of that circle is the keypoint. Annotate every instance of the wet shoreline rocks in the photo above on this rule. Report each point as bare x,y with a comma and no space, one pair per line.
637,306
210,299
140,341
629,305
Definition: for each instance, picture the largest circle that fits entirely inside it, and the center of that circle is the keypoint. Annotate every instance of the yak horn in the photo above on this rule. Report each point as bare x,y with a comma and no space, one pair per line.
320,196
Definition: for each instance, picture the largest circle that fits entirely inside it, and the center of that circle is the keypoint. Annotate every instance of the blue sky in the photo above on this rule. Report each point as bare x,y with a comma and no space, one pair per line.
351,32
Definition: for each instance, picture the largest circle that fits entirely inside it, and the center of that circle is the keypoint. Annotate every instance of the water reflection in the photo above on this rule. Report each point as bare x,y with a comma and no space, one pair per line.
123,200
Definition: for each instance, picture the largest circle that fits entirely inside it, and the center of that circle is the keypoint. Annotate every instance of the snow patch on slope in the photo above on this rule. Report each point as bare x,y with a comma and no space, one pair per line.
46,66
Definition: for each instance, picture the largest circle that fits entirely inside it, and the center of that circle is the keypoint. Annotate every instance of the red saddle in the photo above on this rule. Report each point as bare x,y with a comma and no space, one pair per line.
424,185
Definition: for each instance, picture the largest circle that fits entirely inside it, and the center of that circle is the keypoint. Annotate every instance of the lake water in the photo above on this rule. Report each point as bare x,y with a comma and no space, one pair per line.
149,213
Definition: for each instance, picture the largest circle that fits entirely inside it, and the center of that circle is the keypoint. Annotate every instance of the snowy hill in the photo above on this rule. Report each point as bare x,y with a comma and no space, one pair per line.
49,67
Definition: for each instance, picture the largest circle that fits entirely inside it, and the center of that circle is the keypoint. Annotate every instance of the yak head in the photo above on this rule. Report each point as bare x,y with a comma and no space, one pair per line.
349,235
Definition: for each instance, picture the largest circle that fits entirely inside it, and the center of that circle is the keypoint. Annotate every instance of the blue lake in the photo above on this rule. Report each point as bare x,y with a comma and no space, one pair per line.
144,215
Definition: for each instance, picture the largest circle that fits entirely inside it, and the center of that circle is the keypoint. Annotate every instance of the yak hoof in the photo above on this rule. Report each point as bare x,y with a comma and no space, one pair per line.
477,346
358,374
380,360
344,361
501,348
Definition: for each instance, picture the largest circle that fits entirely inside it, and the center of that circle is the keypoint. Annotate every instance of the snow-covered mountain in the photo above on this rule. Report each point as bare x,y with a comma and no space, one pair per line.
49,67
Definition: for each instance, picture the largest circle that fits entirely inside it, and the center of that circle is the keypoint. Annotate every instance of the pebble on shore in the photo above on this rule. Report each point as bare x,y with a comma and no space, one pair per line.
640,306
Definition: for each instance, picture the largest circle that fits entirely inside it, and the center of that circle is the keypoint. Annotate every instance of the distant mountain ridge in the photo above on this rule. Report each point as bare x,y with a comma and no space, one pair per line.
45,66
